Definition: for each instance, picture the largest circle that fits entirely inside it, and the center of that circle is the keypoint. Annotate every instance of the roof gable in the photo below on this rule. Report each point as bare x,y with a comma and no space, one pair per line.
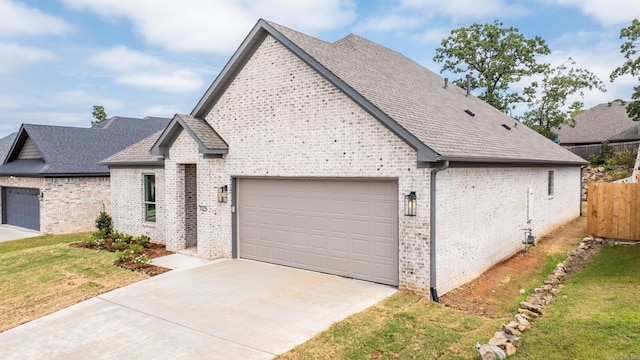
73,151
440,122
208,141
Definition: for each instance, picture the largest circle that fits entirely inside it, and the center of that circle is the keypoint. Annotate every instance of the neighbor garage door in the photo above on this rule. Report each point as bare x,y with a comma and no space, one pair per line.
342,227
21,207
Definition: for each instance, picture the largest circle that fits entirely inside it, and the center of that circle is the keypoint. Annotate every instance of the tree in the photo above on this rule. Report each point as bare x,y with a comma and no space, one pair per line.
500,56
99,114
546,99
631,66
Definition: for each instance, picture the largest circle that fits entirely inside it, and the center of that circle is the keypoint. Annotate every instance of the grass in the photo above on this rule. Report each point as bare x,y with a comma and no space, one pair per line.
41,275
404,326
596,316
537,278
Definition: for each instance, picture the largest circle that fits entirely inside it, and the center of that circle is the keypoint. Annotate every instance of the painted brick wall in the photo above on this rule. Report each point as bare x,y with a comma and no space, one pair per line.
481,211
280,118
127,203
68,205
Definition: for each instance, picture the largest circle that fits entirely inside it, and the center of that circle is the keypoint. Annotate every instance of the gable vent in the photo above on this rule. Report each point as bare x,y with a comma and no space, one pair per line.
470,113
506,126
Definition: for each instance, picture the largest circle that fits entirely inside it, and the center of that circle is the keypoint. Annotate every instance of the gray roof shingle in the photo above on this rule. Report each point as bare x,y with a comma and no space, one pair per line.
5,145
207,139
408,98
601,123
77,151
136,154
416,99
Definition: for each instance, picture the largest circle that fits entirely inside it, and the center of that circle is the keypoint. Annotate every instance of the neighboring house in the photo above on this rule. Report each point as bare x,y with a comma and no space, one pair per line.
5,145
605,122
323,156
50,180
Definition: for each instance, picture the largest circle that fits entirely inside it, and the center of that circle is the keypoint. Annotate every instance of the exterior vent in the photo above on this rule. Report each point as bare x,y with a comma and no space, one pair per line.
470,113
506,126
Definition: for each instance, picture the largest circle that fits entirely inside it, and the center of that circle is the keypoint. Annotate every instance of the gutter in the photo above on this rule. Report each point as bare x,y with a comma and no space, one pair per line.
432,230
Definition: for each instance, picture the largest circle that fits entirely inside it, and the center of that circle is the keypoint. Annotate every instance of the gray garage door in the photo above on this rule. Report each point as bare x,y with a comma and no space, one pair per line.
347,228
22,207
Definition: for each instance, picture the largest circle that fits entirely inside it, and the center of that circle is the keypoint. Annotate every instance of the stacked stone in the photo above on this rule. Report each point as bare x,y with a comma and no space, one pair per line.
591,174
508,338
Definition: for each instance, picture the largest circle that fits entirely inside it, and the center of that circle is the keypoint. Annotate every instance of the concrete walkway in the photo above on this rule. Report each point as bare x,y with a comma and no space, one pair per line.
230,309
10,232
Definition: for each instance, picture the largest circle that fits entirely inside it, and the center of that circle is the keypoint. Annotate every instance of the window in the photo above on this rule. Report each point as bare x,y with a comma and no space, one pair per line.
150,197
550,183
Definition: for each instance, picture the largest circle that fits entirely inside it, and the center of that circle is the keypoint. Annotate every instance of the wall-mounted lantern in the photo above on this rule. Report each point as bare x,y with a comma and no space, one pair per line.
223,194
410,204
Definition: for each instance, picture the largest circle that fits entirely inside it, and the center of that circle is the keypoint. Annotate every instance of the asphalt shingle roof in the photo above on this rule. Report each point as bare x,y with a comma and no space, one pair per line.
417,100
204,132
601,123
136,154
77,151
5,145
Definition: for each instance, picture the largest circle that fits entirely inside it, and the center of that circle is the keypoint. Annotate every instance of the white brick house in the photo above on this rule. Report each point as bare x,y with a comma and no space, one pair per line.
316,145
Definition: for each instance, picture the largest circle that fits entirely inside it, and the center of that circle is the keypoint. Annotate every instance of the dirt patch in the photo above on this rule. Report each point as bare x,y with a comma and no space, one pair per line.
152,251
493,293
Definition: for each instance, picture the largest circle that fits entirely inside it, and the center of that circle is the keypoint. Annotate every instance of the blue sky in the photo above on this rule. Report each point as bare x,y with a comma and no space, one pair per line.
58,58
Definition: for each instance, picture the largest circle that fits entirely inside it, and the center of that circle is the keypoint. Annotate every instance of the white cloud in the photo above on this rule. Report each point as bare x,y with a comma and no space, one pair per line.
178,81
160,110
135,68
17,18
469,9
8,104
16,56
389,22
434,35
216,26
610,12
83,100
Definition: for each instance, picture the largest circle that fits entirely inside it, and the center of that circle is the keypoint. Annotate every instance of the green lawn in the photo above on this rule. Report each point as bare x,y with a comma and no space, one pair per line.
41,275
404,326
595,316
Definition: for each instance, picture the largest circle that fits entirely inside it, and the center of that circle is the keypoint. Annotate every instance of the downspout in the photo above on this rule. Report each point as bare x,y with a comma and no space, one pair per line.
432,230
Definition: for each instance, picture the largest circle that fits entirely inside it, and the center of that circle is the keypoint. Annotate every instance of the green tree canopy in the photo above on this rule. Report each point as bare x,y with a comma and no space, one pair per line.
547,99
500,56
631,66
99,114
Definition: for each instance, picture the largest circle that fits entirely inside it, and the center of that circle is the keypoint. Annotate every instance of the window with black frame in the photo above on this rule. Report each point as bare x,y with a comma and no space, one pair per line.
150,198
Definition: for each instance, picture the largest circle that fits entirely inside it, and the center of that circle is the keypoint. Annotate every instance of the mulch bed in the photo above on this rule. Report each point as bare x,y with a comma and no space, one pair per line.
153,251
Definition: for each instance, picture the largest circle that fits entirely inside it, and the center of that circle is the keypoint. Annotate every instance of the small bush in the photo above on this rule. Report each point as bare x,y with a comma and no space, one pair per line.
595,159
120,244
104,223
141,260
624,158
136,248
143,240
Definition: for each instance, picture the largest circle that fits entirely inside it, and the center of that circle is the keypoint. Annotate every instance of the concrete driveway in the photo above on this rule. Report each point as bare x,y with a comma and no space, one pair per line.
10,232
228,309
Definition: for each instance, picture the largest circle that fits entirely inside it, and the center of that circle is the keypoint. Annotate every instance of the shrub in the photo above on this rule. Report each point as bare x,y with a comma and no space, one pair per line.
624,158
104,223
120,244
143,240
136,248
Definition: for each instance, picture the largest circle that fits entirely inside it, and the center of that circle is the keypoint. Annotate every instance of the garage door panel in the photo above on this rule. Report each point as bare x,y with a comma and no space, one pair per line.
343,227
22,207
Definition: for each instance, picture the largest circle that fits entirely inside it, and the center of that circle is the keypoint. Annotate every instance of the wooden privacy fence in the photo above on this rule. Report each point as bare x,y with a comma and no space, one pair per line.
613,210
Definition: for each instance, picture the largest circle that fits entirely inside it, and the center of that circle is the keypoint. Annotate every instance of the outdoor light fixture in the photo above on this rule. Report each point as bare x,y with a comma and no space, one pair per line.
410,204
222,194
